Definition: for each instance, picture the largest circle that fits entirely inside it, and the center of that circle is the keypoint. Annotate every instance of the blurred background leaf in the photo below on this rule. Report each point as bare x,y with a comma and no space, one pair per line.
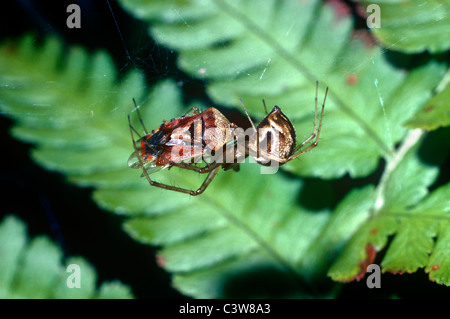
436,112
269,53
36,269
411,26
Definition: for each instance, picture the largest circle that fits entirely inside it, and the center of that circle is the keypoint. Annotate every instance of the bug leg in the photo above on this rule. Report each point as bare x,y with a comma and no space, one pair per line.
192,111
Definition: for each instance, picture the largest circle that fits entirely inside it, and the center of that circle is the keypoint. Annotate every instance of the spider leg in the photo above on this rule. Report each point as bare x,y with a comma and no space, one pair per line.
200,190
315,122
316,131
321,114
207,181
265,108
213,172
140,117
141,164
299,146
137,133
248,116
192,167
315,107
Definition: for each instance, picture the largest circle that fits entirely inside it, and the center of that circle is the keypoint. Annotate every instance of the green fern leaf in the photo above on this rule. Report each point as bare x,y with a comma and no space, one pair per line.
417,226
247,227
266,53
277,52
204,234
436,112
34,269
411,27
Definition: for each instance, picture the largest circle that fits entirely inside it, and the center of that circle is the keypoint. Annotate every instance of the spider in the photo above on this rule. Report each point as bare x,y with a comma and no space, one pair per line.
274,139
185,138
181,139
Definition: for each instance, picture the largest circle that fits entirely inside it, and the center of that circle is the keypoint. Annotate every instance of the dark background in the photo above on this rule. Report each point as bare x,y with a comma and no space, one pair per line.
66,213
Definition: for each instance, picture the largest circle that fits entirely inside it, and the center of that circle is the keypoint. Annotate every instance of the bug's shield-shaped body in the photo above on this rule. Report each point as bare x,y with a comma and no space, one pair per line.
184,138
274,138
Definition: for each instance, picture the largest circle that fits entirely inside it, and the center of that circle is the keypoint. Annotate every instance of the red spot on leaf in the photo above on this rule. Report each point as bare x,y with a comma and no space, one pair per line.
11,48
428,108
396,272
373,231
365,37
352,79
371,254
361,10
435,267
341,9
160,261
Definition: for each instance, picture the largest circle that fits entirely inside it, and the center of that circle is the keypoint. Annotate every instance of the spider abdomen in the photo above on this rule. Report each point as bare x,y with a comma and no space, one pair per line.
275,138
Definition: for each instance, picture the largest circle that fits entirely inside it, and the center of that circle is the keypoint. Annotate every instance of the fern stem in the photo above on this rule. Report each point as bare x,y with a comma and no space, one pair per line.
306,286
413,137
444,82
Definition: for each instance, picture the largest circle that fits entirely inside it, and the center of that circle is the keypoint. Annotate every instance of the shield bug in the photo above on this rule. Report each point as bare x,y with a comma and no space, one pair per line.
183,142
274,140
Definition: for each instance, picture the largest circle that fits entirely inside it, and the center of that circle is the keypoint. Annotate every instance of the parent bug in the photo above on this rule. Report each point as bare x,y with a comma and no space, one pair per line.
274,139
187,138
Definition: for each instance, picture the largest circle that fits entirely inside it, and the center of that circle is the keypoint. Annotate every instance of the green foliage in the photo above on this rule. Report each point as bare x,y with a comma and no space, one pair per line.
269,53
247,229
195,234
411,27
420,226
34,269
436,112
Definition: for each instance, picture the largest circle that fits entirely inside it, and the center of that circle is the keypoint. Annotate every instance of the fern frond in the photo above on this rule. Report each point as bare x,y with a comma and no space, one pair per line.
418,222
247,226
35,269
277,52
